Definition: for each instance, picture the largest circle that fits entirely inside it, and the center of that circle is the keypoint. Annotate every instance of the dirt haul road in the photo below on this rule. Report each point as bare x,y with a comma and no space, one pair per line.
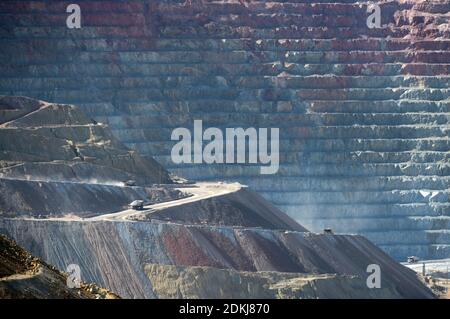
198,191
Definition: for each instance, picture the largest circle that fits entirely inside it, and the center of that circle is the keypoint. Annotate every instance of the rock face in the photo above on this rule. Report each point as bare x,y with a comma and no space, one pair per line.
25,276
195,282
363,113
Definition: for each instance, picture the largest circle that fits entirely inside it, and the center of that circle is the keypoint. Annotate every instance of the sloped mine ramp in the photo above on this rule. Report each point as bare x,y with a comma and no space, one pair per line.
25,276
114,254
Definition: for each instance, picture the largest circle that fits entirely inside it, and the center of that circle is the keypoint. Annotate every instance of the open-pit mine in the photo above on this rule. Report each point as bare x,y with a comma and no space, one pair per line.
341,191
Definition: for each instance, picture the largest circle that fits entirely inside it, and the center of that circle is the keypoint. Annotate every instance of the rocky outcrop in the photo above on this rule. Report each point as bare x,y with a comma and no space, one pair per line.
195,282
25,276
363,113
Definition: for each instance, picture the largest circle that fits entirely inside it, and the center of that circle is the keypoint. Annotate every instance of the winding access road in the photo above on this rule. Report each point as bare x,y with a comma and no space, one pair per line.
198,191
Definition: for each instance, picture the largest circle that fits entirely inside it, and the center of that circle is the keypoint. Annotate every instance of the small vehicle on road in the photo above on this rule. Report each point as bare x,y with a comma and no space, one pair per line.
413,259
129,183
137,204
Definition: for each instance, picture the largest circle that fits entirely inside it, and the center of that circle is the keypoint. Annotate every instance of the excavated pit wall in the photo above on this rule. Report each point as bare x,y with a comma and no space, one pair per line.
363,113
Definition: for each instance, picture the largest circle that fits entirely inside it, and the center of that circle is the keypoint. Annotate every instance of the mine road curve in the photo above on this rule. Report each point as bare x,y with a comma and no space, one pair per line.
198,191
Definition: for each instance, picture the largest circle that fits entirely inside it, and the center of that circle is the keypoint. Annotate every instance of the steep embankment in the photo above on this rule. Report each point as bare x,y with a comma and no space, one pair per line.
25,276
113,254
